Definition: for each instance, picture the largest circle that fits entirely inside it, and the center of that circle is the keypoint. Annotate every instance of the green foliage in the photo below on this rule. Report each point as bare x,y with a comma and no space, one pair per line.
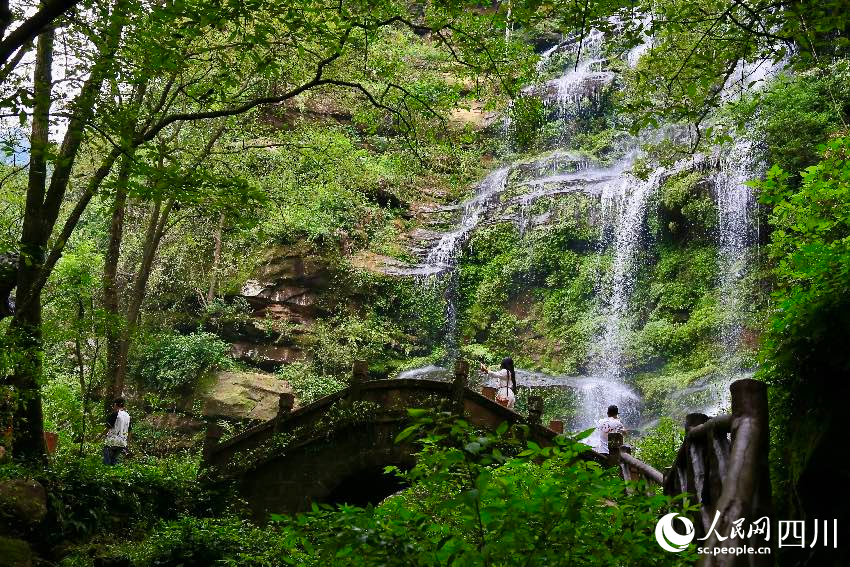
235,310
600,144
474,499
541,284
200,542
87,497
810,245
341,340
804,345
308,385
168,362
799,112
687,209
697,47
659,446
527,115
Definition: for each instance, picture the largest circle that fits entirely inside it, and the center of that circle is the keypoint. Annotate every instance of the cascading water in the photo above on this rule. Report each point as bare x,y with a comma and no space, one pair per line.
511,192
554,174
737,233
624,207
443,256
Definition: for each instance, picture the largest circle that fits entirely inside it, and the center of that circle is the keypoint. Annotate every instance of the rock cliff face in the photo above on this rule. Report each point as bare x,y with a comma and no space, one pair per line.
286,293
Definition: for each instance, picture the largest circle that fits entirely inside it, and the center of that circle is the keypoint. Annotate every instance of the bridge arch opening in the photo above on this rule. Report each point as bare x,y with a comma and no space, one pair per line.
369,485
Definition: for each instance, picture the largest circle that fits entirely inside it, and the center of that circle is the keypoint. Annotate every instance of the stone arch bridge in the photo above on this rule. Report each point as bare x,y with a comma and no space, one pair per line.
335,450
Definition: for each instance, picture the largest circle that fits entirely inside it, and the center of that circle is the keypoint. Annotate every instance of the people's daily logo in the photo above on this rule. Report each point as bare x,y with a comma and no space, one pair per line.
670,539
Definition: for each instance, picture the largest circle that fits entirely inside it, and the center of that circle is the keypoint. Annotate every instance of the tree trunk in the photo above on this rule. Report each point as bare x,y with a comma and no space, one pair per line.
25,330
216,259
111,303
153,235
43,203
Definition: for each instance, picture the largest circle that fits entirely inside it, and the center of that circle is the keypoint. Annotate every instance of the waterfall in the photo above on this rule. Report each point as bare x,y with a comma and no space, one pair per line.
443,256
624,210
736,205
623,202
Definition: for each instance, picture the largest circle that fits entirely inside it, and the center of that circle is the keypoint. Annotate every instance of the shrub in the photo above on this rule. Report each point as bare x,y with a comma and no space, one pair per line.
475,499
307,384
168,362
341,340
86,497
528,115
659,445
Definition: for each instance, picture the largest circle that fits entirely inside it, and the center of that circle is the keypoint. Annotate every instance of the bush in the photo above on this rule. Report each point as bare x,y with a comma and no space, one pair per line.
475,499
341,340
528,114
659,446
308,385
86,497
168,362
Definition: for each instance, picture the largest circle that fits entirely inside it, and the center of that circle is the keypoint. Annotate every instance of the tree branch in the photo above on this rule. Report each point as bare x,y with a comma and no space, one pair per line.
26,32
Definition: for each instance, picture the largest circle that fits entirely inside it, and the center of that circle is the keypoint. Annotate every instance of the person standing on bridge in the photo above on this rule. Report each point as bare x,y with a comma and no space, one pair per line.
610,424
506,392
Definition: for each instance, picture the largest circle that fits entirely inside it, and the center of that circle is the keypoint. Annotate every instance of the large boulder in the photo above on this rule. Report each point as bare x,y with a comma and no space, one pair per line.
242,395
23,505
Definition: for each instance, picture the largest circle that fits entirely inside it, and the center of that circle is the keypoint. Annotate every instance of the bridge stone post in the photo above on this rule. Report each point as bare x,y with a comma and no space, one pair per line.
535,409
615,442
489,392
284,407
359,375
211,439
461,380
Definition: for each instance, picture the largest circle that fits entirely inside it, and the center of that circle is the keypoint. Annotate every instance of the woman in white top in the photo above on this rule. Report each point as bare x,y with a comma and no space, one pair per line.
506,393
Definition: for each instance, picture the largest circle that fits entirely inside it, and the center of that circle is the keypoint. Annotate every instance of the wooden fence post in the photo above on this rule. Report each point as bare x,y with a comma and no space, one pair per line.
746,488
461,380
615,441
695,476
359,376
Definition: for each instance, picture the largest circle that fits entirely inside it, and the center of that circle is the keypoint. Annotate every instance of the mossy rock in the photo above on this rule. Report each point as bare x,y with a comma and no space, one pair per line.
23,505
14,553
242,395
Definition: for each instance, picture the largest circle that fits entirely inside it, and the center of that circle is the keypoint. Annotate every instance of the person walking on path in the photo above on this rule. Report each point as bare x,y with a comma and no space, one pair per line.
506,393
610,424
117,434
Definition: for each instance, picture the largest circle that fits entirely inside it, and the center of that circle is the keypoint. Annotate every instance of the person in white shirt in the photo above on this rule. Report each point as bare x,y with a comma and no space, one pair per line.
610,424
506,392
117,434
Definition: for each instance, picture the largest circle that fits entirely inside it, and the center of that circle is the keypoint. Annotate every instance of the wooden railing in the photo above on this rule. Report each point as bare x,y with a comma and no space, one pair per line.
723,464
